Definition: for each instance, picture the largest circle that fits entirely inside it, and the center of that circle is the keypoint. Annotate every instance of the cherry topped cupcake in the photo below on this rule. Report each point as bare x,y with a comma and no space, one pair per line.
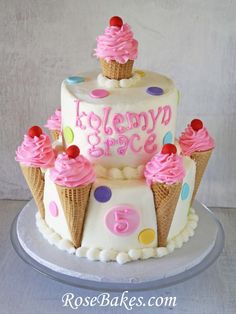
117,49
195,138
73,176
196,142
35,155
165,173
165,167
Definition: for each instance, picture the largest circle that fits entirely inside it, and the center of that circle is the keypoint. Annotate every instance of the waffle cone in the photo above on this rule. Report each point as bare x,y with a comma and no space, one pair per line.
35,180
55,135
201,159
74,202
165,199
117,71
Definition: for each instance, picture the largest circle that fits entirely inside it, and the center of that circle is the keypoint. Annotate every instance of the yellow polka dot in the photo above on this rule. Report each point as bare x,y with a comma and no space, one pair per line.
146,236
68,135
141,73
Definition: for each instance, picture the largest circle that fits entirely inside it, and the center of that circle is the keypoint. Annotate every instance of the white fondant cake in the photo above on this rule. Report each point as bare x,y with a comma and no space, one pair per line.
113,186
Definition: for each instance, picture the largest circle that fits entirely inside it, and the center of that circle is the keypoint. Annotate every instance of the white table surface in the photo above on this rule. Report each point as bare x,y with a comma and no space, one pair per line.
24,290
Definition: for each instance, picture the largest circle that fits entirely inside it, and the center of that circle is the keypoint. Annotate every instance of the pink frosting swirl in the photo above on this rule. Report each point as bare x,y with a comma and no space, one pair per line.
36,152
117,44
72,172
165,168
54,122
195,141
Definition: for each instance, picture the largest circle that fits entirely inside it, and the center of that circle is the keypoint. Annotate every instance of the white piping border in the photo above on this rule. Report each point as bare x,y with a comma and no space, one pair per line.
107,255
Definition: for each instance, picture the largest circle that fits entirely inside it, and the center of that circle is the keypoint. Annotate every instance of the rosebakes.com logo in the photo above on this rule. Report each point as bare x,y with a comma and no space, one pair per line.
124,300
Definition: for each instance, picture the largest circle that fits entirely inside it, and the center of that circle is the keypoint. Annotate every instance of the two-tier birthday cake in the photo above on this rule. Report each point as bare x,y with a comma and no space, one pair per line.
115,184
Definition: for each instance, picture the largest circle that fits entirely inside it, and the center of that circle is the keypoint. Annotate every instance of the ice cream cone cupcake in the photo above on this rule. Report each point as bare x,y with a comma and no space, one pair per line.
54,125
164,173
73,176
117,50
35,155
196,142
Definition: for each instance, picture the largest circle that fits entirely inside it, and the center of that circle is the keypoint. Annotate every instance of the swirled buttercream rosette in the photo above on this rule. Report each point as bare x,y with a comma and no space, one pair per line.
196,142
117,49
164,173
54,125
35,155
73,176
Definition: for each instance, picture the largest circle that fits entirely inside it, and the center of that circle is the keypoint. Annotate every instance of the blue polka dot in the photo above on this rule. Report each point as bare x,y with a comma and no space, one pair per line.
185,191
102,194
74,80
168,138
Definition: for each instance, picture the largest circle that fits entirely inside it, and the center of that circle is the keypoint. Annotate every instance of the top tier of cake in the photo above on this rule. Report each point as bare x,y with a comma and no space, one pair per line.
118,123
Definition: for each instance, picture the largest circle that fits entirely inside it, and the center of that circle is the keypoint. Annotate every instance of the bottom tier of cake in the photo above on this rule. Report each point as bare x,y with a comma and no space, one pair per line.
121,257
120,219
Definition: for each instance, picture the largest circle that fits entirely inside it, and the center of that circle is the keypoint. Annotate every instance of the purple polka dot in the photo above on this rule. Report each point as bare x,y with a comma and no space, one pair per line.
99,93
155,91
102,194
53,209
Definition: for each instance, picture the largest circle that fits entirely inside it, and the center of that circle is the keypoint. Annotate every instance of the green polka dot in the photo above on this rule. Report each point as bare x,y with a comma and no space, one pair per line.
68,134
178,97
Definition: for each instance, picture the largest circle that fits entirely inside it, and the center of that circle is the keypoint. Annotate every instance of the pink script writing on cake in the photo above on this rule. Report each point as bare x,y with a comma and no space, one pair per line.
115,127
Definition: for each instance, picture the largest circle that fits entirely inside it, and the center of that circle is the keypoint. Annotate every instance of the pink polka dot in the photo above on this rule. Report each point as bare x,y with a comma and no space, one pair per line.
122,220
99,93
53,209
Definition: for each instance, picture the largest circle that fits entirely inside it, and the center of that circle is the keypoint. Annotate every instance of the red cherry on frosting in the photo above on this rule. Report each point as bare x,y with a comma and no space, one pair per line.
73,151
116,21
196,124
169,149
35,131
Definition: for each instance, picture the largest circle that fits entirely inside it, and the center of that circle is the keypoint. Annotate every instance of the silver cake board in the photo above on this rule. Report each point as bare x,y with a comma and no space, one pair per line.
195,256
